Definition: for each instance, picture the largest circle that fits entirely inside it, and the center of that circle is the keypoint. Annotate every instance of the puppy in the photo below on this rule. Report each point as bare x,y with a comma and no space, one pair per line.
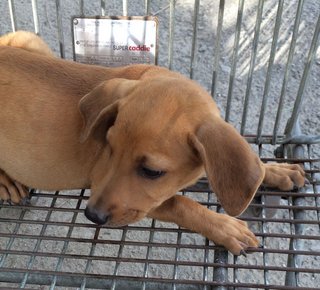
26,40
135,135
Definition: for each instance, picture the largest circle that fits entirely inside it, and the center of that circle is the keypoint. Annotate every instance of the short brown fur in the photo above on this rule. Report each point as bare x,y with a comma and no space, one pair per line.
66,125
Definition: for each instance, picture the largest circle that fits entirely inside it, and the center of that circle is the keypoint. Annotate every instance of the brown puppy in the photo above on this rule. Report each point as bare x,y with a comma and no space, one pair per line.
26,40
135,135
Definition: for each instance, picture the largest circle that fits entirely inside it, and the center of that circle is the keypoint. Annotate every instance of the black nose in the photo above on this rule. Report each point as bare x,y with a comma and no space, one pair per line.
96,216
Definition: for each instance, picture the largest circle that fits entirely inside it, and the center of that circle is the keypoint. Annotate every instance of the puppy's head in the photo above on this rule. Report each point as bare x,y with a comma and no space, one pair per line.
157,136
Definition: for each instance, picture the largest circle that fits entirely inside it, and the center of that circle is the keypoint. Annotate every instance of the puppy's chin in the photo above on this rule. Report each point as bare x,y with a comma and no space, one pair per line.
130,217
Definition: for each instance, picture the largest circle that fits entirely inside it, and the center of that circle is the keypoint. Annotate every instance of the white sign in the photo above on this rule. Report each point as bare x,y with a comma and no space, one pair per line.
115,41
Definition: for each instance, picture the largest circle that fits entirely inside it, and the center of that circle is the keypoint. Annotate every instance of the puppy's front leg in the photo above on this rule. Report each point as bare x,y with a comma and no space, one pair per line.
283,176
222,229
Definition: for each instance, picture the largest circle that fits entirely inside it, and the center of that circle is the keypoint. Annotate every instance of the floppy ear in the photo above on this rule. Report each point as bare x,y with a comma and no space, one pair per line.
233,169
99,108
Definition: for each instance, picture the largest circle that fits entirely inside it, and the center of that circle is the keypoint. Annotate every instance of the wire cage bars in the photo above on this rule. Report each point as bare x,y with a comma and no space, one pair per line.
260,61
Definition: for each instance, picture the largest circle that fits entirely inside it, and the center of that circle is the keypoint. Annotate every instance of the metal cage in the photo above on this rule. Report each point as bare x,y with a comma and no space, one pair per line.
261,62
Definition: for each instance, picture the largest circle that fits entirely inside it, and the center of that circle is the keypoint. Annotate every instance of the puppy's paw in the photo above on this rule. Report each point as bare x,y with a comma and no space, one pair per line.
234,235
284,176
12,191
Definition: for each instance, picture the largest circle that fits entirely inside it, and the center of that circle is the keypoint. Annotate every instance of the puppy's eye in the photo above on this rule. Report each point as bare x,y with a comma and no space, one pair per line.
150,173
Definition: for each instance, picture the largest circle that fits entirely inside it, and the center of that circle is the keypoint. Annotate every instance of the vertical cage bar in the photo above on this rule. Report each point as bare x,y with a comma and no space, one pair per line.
177,256
35,16
171,32
12,15
147,7
176,259
235,271
149,250
264,230
217,50
252,64
220,274
234,59
116,268
89,261
36,247
298,103
205,268
81,6
60,32
206,252
103,5
125,7
291,279
287,71
11,240
194,37
316,185
269,70
66,243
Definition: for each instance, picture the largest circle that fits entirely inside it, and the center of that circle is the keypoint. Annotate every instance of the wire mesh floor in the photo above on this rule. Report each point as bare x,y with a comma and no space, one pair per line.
51,243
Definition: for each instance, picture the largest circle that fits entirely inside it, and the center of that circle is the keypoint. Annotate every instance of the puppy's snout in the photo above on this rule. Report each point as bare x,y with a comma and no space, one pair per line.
96,216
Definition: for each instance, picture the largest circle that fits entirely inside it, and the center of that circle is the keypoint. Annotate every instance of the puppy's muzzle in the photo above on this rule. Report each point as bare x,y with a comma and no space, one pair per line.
96,216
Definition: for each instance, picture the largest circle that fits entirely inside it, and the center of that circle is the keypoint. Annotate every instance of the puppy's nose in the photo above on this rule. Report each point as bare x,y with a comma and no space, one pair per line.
96,216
